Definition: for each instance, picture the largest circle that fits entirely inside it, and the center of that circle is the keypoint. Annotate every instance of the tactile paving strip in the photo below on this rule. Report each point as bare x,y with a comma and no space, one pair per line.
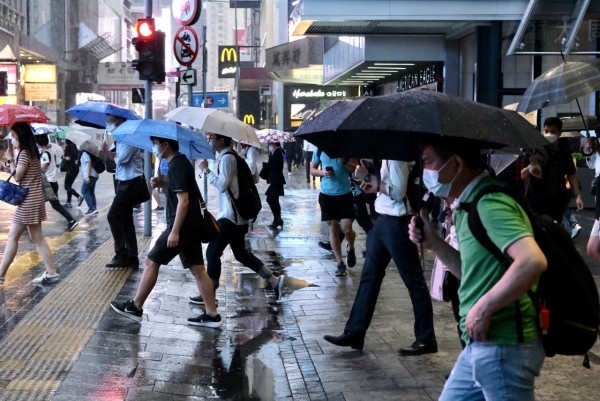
37,354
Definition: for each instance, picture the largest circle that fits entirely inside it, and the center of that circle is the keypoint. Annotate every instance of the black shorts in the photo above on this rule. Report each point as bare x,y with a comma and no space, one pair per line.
189,249
336,207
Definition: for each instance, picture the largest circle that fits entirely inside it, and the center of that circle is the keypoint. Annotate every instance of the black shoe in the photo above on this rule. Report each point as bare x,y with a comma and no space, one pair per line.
128,309
325,245
134,262
67,205
206,321
72,224
341,269
80,200
418,349
159,208
199,301
364,253
118,261
346,340
351,258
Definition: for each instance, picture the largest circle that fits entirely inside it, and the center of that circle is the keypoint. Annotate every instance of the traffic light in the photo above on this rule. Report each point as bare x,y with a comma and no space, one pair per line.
150,45
3,83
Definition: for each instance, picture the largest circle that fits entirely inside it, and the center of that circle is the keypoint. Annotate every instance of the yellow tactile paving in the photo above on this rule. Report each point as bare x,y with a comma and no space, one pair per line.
37,354
31,258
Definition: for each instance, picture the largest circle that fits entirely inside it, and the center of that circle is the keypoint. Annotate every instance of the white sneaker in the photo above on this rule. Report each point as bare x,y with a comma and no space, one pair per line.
45,278
575,231
289,173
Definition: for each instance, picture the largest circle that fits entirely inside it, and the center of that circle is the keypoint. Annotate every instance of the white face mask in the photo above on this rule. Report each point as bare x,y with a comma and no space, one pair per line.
432,183
551,137
111,127
271,148
15,143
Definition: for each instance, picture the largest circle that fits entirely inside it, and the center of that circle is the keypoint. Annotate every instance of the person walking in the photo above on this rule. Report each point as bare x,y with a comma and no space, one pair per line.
276,181
337,206
386,240
49,168
308,149
495,309
184,220
29,214
129,180
71,158
89,177
289,148
233,226
250,154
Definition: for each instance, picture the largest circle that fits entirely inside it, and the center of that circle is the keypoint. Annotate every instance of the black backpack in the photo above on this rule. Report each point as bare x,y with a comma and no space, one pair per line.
248,205
97,163
566,289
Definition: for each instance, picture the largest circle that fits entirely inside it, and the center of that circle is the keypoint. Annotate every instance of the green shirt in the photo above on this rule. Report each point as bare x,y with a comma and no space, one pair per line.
505,222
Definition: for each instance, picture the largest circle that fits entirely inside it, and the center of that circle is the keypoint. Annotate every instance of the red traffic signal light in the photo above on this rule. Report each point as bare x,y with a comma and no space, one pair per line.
144,29
150,45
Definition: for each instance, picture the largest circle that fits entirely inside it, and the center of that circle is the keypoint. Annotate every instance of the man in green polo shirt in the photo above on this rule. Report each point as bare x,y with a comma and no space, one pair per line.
494,365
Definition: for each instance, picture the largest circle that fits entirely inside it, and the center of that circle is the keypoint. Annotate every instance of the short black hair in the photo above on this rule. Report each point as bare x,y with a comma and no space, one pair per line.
553,122
172,143
226,139
42,139
445,147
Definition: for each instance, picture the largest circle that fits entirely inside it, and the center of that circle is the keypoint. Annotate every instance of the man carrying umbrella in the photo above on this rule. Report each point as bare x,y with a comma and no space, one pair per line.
129,170
494,364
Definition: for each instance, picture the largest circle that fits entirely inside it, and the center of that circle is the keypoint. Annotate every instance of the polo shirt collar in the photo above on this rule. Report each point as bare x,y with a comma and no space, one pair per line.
471,186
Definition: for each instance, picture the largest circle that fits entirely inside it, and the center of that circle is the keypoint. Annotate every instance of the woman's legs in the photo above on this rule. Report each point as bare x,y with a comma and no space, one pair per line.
12,245
69,179
35,233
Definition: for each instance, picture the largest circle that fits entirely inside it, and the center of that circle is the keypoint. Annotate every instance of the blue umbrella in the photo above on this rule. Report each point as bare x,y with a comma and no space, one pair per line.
42,128
138,132
96,112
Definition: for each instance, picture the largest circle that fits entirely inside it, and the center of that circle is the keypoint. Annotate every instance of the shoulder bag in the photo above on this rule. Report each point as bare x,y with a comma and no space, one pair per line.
11,192
209,228
49,194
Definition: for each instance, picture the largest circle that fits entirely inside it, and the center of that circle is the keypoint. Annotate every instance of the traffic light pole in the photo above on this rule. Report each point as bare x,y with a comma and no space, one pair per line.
204,62
148,155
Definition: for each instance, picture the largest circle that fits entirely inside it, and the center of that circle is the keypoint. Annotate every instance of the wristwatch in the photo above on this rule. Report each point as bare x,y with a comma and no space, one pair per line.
8,161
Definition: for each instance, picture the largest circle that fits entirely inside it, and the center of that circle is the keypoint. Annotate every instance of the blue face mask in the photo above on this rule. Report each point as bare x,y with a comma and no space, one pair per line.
432,183
156,153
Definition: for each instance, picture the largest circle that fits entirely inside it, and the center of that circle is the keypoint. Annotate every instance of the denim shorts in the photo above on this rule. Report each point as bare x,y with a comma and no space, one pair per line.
491,372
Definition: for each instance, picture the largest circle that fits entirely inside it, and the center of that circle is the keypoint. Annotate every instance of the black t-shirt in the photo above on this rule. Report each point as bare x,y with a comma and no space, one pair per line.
181,179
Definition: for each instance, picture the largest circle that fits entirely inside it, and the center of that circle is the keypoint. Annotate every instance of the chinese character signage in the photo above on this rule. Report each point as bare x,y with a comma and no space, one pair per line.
40,73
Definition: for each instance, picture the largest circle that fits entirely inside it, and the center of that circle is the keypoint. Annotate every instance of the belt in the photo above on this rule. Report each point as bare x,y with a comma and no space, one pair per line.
387,216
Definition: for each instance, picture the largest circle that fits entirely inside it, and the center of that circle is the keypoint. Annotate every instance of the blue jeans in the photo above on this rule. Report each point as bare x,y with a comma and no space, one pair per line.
388,239
89,192
491,372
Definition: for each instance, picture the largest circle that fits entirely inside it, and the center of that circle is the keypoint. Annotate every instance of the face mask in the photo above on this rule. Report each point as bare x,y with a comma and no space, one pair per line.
271,148
156,153
551,137
15,143
110,127
431,181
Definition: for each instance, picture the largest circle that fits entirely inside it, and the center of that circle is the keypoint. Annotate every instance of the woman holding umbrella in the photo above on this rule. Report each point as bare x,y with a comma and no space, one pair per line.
29,214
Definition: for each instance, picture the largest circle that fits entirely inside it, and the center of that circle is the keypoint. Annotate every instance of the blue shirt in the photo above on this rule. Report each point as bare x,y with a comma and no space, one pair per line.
85,160
339,184
129,162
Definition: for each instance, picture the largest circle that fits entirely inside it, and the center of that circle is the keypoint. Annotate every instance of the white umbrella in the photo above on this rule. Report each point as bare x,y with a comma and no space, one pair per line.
84,141
213,120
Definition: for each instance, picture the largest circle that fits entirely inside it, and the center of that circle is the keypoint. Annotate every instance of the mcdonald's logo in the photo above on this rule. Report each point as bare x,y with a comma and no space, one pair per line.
249,119
231,52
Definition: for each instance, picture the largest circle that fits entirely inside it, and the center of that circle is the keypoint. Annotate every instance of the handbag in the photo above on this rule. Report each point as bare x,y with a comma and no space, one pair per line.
137,188
444,285
264,172
210,228
49,194
63,166
11,192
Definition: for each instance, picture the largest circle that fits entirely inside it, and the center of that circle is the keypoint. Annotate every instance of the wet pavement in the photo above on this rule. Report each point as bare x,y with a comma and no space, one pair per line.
63,342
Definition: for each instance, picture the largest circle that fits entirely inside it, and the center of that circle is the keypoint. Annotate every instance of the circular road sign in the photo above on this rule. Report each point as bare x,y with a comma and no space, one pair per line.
186,12
210,101
185,46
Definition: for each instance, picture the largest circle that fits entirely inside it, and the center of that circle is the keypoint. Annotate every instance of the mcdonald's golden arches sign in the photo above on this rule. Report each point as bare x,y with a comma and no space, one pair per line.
249,119
229,58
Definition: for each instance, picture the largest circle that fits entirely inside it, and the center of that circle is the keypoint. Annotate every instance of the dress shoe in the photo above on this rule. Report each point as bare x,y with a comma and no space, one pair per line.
325,245
346,340
418,348
118,261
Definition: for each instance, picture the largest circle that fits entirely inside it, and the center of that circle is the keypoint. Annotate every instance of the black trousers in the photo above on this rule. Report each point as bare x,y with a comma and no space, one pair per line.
308,158
120,220
235,236
273,201
56,203
388,239
69,179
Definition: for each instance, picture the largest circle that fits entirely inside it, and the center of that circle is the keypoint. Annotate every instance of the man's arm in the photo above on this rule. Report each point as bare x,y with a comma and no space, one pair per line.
226,171
183,201
574,183
125,154
528,264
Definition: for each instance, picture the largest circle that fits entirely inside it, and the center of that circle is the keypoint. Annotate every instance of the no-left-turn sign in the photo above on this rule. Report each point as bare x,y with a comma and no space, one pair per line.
186,45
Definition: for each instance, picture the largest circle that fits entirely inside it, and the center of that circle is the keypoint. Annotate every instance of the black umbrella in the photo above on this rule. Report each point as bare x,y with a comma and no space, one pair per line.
390,127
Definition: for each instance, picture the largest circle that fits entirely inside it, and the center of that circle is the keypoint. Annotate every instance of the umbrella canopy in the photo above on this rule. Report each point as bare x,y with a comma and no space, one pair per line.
272,135
137,133
41,128
14,113
213,120
390,127
561,84
96,112
84,142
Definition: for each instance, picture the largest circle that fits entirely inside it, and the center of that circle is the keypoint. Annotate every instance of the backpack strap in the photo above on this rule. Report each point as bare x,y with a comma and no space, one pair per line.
479,232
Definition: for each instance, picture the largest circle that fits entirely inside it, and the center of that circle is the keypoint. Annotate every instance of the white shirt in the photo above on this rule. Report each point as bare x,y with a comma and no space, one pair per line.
395,176
593,161
225,180
308,147
46,157
251,157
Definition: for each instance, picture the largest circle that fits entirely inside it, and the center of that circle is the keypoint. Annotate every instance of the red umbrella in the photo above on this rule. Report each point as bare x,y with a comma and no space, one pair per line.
15,113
